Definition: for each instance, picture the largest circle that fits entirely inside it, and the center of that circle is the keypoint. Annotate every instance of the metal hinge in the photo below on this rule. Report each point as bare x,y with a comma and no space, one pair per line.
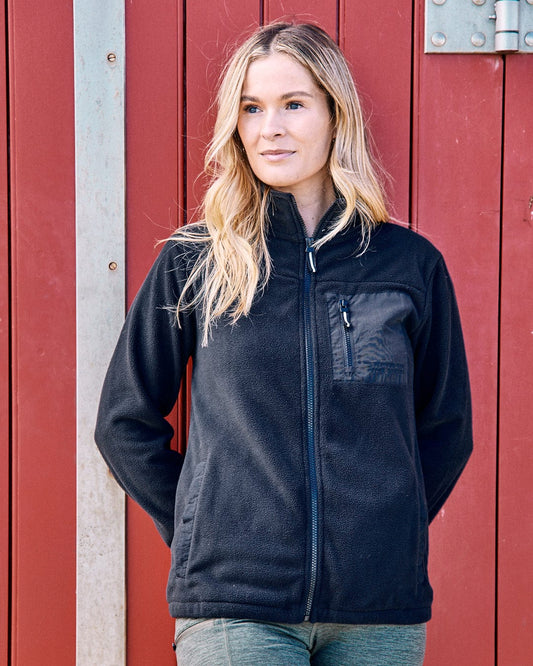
479,26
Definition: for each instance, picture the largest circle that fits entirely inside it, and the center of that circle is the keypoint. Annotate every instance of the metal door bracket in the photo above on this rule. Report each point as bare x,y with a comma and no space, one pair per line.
479,26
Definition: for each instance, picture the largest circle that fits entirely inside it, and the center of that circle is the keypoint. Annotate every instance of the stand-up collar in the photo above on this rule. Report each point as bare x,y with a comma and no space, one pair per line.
285,219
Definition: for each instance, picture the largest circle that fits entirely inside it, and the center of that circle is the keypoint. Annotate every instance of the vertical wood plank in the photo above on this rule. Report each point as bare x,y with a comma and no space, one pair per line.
211,37
456,198
377,43
155,176
515,507
322,12
43,256
153,131
5,412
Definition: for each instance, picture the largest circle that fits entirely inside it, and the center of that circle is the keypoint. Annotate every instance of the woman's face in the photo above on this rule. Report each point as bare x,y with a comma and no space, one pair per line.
285,126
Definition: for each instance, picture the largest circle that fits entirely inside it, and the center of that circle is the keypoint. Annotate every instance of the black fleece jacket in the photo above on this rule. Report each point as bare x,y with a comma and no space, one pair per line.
327,428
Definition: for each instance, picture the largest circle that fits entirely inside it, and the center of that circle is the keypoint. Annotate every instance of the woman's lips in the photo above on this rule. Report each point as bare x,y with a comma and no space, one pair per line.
276,155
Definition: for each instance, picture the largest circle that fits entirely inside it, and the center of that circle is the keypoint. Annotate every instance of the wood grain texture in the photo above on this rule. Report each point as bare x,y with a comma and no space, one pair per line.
210,38
5,361
43,297
377,44
515,508
322,12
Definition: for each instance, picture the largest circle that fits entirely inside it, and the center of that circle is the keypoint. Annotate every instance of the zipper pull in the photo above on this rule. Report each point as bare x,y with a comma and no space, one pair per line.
345,313
310,251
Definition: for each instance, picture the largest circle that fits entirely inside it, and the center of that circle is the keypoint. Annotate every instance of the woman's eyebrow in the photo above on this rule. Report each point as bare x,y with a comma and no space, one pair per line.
288,95
296,93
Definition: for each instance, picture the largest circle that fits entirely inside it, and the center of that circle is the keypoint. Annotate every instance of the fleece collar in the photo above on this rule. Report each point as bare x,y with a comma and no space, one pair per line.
286,221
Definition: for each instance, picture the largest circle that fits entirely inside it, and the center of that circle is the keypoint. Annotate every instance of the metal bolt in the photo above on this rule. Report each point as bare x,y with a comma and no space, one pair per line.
529,38
439,2
438,39
478,39
113,265
112,57
479,2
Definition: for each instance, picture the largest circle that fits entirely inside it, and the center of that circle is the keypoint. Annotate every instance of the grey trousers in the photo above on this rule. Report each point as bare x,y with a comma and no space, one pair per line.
227,642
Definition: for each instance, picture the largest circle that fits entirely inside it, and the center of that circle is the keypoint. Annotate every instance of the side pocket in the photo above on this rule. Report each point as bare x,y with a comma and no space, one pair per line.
423,544
185,529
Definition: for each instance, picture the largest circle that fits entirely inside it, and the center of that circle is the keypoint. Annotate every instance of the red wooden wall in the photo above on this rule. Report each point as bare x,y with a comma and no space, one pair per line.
515,459
40,550
4,357
454,134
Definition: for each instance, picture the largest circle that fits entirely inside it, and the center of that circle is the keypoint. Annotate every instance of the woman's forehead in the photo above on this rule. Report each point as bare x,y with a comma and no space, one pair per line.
277,72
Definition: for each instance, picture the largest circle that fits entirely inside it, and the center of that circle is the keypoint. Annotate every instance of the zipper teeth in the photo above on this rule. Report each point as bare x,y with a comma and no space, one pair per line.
348,348
345,321
310,267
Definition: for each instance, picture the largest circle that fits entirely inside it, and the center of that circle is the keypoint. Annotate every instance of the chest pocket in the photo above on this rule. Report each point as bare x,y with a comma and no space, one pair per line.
369,339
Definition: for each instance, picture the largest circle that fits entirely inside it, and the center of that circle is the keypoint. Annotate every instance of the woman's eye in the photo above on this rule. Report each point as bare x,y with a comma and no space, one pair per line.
250,108
293,105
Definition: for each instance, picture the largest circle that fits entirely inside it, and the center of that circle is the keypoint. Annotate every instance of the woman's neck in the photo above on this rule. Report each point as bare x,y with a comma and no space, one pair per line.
313,205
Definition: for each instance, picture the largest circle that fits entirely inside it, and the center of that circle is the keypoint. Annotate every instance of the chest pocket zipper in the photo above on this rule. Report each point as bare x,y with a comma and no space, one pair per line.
346,325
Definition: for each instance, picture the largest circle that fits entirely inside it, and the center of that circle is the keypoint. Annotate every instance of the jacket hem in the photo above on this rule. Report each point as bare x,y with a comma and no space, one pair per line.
271,614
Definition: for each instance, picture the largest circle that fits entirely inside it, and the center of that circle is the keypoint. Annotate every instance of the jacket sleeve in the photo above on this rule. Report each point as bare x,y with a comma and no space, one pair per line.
139,391
442,392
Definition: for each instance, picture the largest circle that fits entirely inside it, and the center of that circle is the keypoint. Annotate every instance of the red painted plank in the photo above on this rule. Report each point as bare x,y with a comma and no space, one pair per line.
515,542
377,43
4,356
456,172
211,36
43,255
154,209
153,124
322,12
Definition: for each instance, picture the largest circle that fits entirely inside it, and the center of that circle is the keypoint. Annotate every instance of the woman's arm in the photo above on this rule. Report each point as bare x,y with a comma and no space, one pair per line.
140,389
442,392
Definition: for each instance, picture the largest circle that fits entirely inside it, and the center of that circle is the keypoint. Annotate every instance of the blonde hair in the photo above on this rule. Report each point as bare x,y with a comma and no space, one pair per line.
234,263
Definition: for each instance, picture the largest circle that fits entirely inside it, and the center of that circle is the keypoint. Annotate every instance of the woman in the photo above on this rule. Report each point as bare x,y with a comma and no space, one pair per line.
330,413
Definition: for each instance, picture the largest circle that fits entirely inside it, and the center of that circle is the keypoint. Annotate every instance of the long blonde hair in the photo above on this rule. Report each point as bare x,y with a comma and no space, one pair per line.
234,263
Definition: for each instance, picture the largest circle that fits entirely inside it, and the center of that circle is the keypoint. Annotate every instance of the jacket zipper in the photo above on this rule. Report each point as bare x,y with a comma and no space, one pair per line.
346,325
310,270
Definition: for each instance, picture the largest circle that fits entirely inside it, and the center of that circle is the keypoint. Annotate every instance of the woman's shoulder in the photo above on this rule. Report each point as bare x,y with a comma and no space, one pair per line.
405,254
186,243
193,234
403,234
178,255
404,239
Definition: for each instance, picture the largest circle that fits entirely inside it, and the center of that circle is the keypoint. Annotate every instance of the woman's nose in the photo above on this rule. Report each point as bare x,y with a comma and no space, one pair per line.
272,126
